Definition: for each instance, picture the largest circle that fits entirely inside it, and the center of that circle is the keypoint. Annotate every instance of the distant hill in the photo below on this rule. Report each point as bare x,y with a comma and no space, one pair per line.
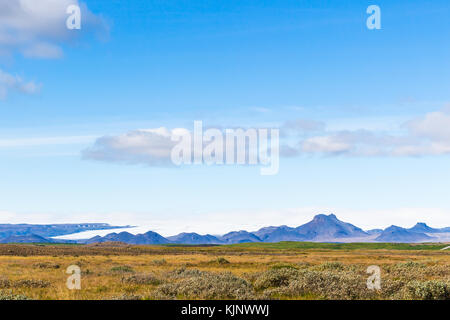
183,238
32,238
322,227
398,234
374,231
277,234
149,237
239,237
423,228
328,227
194,238
50,230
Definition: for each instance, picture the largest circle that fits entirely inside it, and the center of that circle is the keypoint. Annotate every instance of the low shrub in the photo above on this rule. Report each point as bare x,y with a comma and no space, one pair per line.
148,278
126,296
11,296
222,260
332,266
159,262
46,265
122,269
206,285
276,278
428,290
183,273
284,266
410,270
30,283
323,284
25,283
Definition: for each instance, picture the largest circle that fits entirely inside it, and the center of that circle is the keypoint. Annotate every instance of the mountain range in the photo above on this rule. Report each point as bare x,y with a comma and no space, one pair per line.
323,228
27,233
398,234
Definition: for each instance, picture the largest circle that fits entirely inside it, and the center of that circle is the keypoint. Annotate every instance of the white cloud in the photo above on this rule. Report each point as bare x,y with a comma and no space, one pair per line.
434,125
423,136
36,28
153,147
147,146
428,135
9,82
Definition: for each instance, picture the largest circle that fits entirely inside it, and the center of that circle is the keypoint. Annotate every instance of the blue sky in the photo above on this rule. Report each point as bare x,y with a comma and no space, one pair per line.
381,97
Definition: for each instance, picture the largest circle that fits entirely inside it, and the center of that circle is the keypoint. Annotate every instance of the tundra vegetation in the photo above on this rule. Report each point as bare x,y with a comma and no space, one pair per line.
286,270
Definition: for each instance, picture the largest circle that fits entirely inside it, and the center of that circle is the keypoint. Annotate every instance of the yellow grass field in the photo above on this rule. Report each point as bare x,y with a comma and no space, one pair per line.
272,271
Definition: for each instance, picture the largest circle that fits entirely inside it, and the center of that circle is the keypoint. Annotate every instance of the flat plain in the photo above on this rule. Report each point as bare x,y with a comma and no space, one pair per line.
285,270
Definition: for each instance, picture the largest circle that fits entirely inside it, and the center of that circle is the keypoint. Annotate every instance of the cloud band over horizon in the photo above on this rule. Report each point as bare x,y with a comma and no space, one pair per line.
428,135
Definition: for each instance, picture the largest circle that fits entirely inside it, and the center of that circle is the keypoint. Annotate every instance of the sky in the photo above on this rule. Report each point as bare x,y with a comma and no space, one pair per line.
364,114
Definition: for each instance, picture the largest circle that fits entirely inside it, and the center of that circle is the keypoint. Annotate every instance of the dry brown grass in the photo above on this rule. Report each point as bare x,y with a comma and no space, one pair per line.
152,272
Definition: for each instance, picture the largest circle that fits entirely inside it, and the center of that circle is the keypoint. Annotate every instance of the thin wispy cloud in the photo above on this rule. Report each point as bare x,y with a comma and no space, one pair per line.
260,109
9,82
45,141
302,126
